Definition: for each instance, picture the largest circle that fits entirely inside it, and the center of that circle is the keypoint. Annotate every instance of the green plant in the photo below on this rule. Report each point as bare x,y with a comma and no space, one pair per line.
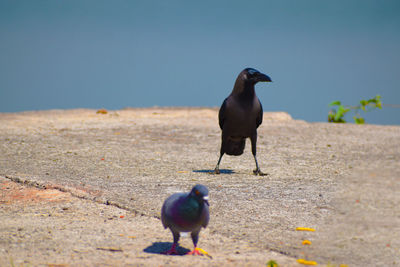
272,263
337,115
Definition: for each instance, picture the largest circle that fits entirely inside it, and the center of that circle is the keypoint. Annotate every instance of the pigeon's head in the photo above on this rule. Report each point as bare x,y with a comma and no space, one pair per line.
253,76
200,193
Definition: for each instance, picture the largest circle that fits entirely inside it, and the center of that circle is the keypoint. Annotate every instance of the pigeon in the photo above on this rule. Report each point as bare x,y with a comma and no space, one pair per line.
240,115
186,212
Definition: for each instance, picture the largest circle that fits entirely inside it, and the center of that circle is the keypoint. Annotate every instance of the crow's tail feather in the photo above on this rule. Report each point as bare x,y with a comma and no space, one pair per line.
234,146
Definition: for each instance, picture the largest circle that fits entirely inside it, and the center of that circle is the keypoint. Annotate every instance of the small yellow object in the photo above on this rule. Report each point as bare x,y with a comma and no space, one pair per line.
306,242
305,229
182,171
202,251
102,111
306,262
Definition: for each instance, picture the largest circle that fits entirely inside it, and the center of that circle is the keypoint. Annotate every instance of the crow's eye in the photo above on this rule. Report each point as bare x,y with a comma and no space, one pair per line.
252,72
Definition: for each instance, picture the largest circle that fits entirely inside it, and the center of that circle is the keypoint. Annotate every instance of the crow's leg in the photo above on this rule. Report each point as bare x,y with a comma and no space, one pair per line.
216,170
221,153
253,140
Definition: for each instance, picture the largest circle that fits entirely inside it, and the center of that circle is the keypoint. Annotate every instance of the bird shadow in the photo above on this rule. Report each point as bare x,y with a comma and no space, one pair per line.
223,171
161,247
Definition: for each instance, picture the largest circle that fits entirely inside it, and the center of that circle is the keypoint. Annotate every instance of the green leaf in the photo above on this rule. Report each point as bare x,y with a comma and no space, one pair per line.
376,99
364,103
272,263
331,116
335,103
359,120
340,113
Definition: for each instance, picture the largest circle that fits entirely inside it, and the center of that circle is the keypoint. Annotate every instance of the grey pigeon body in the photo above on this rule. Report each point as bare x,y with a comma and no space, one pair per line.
240,115
186,212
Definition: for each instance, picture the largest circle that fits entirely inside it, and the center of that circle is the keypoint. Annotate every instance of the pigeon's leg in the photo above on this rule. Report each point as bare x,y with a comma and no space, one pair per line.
216,170
172,250
195,239
253,140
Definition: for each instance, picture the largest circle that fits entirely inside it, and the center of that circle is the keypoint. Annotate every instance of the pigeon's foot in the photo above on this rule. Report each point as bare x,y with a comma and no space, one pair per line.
171,251
200,252
195,251
259,172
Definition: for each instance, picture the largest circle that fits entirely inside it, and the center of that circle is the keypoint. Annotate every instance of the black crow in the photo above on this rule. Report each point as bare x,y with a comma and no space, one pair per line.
240,115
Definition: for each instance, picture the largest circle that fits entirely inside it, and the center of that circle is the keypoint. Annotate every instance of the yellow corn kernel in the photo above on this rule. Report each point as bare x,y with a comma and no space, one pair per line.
202,251
306,262
305,229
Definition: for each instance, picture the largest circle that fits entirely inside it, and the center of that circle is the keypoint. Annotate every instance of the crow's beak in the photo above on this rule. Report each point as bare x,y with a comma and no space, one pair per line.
205,198
261,77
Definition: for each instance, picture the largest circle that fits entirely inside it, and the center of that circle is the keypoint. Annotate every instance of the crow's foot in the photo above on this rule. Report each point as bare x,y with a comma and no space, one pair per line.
259,172
216,171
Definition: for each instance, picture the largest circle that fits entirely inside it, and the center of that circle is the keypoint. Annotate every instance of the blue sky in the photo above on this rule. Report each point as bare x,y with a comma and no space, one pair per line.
113,54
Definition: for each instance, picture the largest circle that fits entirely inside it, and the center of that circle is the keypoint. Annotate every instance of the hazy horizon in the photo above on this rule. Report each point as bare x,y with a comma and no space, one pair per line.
117,54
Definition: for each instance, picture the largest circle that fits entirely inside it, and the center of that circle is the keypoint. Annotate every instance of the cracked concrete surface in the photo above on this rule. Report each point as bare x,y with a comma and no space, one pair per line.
80,188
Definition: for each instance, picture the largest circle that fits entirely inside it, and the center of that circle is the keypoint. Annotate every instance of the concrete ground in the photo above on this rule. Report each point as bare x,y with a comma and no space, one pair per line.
80,188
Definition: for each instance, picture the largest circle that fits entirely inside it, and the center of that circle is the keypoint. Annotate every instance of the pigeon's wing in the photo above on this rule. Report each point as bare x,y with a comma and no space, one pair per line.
167,209
221,114
164,219
259,118
206,216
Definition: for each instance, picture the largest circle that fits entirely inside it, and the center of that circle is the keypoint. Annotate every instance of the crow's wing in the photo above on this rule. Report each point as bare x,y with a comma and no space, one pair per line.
221,114
259,118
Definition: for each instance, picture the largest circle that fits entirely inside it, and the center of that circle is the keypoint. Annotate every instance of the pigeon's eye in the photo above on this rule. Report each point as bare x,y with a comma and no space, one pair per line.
197,192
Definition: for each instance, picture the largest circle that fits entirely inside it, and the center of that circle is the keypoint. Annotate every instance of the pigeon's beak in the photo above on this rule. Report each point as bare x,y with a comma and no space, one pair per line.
261,77
205,198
